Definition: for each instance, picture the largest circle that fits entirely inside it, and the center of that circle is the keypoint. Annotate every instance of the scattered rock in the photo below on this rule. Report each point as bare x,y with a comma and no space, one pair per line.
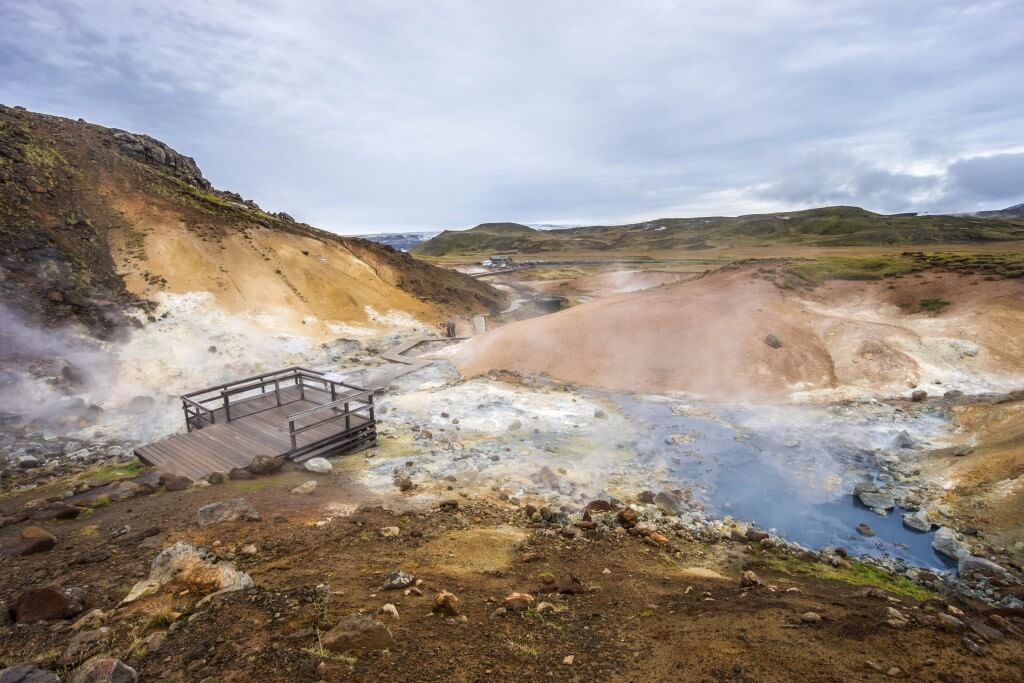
103,669
404,483
518,602
390,532
191,565
532,557
446,604
389,610
917,521
864,530
27,673
627,517
397,580
305,489
773,341
750,580
810,617
173,482
47,604
918,395
568,660
34,540
904,440
668,503
81,644
545,608
265,464
949,544
216,478
318,466
972,566
227,511
240,474
877,500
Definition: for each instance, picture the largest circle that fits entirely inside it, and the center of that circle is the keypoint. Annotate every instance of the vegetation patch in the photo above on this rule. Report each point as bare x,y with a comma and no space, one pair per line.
856,574
849,268
933,305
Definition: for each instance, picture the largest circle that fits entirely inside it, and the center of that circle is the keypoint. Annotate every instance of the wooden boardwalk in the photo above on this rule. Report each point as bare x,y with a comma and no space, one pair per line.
262,425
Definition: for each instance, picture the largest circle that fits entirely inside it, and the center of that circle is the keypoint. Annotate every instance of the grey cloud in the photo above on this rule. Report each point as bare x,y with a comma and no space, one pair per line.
1000,176
396,115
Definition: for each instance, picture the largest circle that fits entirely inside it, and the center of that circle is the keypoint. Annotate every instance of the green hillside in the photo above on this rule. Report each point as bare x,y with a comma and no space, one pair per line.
840,226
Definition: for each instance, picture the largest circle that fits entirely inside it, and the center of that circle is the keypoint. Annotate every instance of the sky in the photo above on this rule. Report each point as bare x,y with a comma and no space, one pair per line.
381,116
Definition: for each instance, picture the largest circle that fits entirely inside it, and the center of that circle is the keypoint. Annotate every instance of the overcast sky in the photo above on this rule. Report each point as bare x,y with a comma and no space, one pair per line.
372,115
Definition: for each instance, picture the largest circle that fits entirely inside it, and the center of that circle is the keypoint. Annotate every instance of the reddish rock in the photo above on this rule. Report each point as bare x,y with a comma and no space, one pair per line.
598,506
103,669
35,540
518,602
532,557
627,517
358,632
447,604
46,604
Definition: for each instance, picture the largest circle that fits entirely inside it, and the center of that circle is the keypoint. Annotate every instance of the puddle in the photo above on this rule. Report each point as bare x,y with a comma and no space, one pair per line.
789,469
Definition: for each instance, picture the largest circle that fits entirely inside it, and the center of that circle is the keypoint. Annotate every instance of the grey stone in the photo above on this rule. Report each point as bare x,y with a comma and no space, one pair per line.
227,511
319,466
27,673
949,544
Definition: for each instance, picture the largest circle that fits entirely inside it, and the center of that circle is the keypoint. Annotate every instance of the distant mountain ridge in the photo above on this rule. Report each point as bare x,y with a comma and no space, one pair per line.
827,226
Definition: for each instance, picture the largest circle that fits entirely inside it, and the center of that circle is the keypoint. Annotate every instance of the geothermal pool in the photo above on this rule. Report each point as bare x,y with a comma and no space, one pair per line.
790,469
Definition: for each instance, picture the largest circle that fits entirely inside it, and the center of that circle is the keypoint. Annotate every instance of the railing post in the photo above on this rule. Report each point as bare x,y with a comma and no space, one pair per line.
291,430
277,390
348,418
302,388
334,393
188,422
372,419
227,406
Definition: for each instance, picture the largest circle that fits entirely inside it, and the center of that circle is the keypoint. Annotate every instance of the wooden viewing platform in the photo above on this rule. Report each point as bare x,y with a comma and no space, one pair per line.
296,413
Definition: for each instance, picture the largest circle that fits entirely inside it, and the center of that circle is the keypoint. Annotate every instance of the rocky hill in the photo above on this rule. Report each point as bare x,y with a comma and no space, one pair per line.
95,221
830,226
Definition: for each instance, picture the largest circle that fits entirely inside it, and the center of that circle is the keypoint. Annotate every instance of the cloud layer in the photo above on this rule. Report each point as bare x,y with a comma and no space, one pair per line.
363,117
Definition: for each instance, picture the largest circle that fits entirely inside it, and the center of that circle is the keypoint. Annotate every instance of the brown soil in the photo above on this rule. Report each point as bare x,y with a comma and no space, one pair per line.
89,227
708,336
986,486
660,614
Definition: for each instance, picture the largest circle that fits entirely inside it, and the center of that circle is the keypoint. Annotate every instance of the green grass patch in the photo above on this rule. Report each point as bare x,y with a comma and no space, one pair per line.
849,268
857,574
113,472
933,305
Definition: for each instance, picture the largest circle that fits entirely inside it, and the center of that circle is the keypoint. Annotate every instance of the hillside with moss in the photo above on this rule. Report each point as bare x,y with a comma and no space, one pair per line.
836,226
95,222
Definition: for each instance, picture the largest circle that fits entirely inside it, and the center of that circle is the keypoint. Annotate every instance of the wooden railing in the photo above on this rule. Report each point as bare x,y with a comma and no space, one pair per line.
200,406
340,408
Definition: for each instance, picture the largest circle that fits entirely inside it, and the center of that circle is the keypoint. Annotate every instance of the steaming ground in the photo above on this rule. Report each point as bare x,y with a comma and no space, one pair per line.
129,388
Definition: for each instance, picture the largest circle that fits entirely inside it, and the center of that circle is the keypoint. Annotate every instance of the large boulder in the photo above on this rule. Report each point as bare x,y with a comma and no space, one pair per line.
191,565
103,669
227,511
47,604
173,482
27,673
949,544
358,632
35,540
265,464
877,500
